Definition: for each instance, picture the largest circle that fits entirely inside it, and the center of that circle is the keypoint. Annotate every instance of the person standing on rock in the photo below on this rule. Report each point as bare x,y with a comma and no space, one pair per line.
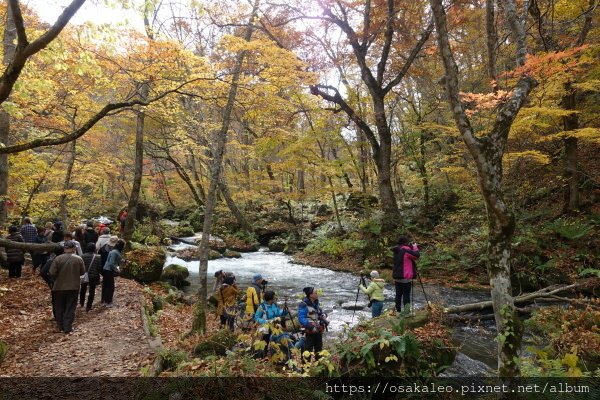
66,271
375,293
405,270
110,270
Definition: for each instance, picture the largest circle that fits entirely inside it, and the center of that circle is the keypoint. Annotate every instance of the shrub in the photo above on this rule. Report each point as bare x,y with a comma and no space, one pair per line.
569,229
335,247
169,359
217,344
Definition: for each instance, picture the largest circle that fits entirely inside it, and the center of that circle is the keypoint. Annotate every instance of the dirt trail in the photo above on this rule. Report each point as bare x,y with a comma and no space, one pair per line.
105,341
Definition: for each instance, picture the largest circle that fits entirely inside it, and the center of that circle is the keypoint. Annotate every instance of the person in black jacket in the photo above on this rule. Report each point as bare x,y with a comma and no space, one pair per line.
92,267
405,270
15,257
89,235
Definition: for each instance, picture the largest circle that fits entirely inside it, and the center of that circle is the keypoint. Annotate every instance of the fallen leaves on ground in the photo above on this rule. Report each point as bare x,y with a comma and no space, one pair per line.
105,341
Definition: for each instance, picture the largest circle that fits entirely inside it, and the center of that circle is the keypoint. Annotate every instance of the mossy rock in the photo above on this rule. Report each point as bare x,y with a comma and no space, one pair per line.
217,344
144,265
176,275
213,255
169,360
277,244
236,244
191,254
358,201
184,230
217,245
232,254
158,303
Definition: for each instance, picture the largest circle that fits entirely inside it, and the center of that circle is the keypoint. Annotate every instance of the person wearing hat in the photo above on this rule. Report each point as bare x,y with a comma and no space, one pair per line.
110,270
227,302
104,245
375,293
59,234
313,320
220,276
66,270
254,295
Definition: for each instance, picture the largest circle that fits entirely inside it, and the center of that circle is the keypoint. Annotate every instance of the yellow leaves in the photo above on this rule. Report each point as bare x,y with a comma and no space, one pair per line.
586,134
529,155
592,85
260,345
391,358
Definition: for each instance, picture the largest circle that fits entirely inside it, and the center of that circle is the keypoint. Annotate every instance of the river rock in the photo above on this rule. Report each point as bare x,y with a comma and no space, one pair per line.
354,306
176,275
232,254
464,366
145,264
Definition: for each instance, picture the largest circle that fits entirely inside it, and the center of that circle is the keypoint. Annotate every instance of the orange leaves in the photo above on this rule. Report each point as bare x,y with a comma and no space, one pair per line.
475,102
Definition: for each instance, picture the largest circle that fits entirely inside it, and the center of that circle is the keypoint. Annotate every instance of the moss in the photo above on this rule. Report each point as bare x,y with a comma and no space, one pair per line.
169,360
232,254
145,264
217,344
176,275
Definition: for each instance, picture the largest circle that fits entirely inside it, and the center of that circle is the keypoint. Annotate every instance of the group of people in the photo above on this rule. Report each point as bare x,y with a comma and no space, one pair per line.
261,311
83,259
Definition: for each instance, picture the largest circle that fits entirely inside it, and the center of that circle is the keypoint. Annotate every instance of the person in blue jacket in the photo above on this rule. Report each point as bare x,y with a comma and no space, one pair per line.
313,320
268,312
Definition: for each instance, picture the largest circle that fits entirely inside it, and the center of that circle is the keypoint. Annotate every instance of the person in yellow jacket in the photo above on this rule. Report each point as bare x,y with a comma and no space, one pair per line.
227,302
375,293
254,295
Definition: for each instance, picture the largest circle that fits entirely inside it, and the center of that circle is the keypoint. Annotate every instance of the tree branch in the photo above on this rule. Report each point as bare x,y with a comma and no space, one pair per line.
413,54
24,50
337,99
17,148
15,8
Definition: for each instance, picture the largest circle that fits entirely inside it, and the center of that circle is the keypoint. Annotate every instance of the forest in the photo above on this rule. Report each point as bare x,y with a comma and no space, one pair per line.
298,141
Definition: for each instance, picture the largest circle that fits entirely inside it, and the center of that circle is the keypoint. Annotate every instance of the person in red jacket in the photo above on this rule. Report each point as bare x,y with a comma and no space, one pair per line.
405,270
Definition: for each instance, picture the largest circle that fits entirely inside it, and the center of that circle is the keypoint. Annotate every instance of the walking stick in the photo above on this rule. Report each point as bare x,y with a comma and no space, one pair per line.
422,287
355,302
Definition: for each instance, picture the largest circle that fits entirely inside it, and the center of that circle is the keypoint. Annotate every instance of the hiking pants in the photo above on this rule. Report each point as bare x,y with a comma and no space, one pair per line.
84,286
403,295
66,303
14,269
376,308
314,343
108,287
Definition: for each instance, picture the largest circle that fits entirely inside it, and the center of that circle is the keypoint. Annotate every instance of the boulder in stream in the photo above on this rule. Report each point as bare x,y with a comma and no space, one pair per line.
144,264
360,305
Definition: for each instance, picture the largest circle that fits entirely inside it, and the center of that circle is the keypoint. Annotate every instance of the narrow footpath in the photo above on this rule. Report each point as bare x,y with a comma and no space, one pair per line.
107,342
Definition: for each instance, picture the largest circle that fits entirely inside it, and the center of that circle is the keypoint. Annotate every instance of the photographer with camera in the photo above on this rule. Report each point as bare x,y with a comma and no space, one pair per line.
313,320
375,293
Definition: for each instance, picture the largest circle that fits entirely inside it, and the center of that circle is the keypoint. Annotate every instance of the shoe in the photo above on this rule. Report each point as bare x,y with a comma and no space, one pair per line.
109,305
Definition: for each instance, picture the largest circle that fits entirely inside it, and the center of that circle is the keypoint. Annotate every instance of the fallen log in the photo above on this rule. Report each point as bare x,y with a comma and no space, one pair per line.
9,244
526,298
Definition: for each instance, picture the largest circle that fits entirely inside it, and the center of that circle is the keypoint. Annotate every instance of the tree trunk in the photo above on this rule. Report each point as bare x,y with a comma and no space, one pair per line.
4,135
571,174
134,197
199,322
9,47
487,152
301,184
224,187
423,170
63,209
